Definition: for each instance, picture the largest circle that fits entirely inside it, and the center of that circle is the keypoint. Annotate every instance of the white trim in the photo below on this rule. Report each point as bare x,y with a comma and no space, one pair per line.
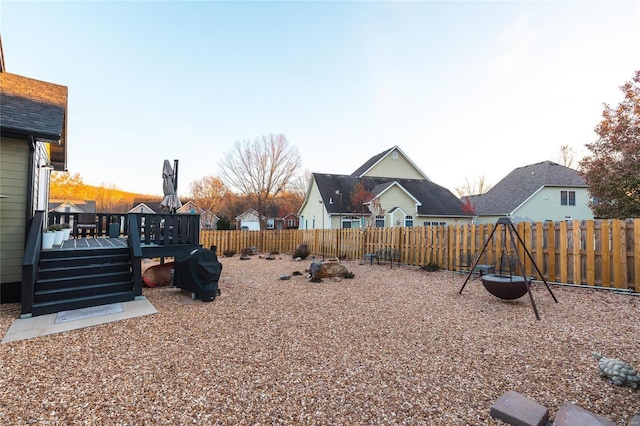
395,183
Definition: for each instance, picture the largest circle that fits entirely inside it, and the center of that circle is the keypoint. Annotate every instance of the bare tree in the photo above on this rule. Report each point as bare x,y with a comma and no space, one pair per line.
209,193
567,156
479,186
300,184
260,170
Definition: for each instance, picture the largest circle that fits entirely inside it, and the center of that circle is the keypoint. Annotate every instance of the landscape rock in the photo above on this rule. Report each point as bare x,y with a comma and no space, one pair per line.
328,270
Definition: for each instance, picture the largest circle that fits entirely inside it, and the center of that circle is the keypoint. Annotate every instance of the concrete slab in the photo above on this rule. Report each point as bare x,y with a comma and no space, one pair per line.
570,415
635,421
518,410
42,325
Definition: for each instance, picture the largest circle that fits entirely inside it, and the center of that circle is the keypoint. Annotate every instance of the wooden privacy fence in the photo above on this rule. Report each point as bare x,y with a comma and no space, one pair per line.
604,253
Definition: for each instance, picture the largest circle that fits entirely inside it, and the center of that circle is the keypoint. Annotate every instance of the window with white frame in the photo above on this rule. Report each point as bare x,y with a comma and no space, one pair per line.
408,221
567,198
349,222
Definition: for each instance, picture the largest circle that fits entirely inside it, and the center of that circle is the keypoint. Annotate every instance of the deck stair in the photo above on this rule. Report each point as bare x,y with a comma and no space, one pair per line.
74,279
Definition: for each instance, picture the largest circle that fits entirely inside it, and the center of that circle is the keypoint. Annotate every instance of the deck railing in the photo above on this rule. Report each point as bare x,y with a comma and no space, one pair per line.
163,229
31,259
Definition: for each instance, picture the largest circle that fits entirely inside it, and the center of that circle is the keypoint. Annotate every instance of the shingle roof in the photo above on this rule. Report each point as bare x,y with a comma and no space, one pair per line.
523,182
435,200
35,108
87,206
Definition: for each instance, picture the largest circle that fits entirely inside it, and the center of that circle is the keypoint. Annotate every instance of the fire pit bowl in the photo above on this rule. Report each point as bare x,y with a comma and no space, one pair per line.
506,287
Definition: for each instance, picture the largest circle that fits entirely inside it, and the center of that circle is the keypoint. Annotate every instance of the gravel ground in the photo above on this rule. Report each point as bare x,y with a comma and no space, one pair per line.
390,346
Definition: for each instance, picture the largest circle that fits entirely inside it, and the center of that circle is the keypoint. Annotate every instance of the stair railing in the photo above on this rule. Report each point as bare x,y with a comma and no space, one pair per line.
30,261
135,253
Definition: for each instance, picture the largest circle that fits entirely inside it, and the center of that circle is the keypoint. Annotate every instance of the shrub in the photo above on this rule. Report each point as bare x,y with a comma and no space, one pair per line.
302,251
274,252
430,267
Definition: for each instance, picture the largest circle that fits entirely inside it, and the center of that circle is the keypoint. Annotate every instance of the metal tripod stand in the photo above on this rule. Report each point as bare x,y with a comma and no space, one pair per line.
513,233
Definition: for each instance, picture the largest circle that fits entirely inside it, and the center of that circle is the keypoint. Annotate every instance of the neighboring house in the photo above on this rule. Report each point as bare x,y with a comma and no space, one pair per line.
72,206
248,221
33,127
289,221
208,220
143,208
539,192
386,191
189,208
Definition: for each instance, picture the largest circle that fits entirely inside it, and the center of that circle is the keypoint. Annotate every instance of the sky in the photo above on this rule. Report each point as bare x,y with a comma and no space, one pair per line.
465,89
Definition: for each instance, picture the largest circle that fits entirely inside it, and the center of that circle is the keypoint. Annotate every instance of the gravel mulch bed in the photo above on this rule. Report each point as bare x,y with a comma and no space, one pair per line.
390,346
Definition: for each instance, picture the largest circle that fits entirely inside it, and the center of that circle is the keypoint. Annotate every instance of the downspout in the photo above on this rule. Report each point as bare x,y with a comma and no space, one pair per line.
30,186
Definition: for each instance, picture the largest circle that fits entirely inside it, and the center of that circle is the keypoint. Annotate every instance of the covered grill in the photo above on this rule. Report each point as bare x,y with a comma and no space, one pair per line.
198,272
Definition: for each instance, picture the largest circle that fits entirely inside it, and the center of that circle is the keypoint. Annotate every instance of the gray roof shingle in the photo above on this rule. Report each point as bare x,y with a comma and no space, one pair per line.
435,200
523,182
30,107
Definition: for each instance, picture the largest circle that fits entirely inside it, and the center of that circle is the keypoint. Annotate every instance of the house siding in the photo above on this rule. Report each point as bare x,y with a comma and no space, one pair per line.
545,205
420,220
403,204
14,166
313,211
249,220
399,168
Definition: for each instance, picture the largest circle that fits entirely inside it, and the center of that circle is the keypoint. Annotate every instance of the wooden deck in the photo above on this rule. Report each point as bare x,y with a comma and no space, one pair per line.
149,251
89,243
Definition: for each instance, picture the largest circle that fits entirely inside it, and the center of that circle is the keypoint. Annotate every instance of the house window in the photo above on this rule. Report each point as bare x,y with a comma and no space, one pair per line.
291,223
408,221
568,198
379,221
349,222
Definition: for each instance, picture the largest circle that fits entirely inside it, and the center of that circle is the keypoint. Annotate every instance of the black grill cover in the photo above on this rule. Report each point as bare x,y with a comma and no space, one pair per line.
198,272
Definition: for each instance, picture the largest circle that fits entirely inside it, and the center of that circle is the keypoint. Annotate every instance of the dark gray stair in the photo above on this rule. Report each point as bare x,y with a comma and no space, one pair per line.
74,279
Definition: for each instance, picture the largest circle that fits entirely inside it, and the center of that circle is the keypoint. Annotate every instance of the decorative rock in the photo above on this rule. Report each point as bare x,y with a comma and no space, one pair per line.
571,415
618,372
330,269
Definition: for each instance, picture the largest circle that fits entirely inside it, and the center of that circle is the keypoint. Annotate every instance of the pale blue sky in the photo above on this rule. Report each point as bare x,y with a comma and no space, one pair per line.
463,88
